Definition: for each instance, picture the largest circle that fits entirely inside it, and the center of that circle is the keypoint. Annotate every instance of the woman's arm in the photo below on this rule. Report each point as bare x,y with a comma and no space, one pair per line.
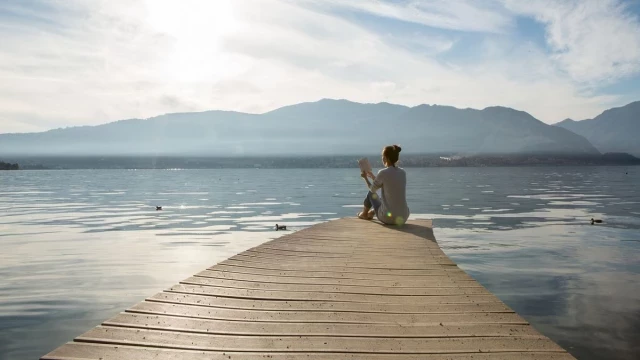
377,181
365,176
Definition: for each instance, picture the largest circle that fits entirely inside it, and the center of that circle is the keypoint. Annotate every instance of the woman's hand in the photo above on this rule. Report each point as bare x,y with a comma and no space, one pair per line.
370,174
365,176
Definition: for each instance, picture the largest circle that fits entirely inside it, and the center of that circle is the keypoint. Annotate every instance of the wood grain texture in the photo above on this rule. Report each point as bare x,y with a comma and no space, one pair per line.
347,289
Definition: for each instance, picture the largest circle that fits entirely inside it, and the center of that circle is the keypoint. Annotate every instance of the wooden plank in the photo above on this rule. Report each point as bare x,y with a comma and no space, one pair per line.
335,250
366,282
381,269
321,263
373,246
202,312
348,289
310,305
247,327
86,351
312,246
336,272
385,345
356,258
327,296
351,289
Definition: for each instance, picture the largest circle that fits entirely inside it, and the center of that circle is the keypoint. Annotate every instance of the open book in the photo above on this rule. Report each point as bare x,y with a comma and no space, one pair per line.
365,166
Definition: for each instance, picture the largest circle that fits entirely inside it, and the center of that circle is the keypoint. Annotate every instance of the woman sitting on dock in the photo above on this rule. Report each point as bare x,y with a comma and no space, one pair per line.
392,207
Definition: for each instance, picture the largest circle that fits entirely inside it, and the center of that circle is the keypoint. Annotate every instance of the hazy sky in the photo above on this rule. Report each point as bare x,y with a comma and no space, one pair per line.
72,62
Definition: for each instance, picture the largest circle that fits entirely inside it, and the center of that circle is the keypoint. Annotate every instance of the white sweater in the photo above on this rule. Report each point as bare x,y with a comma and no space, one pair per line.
393,182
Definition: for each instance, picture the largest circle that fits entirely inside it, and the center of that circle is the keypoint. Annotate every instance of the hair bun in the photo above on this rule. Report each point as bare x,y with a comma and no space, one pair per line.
397,148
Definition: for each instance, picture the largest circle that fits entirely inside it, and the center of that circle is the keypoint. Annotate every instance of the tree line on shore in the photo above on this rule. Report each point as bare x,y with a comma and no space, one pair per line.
409,160
9,166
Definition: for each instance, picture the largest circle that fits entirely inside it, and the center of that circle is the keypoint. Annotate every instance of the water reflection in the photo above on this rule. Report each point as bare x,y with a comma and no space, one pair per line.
79,246
577,284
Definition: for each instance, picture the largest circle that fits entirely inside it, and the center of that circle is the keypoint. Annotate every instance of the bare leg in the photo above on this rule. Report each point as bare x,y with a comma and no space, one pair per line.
371,214
364,214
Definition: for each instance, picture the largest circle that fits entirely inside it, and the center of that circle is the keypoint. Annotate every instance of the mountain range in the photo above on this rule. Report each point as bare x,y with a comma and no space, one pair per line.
615,130
335,127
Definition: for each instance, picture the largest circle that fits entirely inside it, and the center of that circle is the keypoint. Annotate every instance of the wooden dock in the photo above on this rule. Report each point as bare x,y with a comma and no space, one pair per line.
346,289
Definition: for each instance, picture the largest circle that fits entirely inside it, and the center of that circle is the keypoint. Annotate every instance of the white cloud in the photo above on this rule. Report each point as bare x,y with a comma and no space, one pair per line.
93,62
444,14
592,40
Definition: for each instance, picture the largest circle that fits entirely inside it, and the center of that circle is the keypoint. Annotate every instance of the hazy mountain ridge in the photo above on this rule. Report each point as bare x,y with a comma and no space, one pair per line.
493,130
322,127
615,130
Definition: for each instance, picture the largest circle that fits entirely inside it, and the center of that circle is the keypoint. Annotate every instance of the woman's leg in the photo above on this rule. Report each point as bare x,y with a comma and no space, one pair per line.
364,214
371,214
371,204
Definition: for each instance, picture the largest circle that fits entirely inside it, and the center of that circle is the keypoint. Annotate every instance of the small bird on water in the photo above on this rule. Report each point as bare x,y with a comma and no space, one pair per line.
158,208
281,227
595,221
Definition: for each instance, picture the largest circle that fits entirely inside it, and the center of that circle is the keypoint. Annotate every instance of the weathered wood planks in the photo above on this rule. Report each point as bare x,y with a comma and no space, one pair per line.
346,289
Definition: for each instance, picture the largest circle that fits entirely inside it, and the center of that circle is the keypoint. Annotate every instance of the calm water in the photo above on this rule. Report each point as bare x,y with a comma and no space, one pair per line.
79,246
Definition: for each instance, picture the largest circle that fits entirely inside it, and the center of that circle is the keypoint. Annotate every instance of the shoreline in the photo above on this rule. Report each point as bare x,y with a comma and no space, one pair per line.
312,162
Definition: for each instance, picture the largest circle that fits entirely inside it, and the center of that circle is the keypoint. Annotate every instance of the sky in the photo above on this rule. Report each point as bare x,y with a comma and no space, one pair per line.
85,62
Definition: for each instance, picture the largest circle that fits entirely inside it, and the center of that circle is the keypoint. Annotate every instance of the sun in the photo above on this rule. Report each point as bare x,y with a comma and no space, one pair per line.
191,18
197,30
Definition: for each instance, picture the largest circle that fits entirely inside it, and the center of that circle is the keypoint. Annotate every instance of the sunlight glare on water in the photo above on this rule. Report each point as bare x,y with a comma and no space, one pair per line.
80,246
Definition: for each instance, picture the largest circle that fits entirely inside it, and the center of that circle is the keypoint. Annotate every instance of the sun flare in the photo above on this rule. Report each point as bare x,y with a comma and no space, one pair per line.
196,29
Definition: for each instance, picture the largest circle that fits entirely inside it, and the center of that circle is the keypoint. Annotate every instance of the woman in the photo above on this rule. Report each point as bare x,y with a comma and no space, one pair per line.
392,207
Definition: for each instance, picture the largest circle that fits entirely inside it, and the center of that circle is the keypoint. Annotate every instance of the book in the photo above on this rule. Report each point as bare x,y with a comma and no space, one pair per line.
365,166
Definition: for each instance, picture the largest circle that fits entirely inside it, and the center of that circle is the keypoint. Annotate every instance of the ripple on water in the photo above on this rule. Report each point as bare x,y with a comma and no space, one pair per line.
571,203
539,254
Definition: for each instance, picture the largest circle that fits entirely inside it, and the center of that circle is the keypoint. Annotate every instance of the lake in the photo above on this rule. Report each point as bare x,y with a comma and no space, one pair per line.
78,246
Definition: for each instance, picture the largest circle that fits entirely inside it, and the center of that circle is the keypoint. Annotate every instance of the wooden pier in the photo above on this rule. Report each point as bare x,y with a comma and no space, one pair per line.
345,289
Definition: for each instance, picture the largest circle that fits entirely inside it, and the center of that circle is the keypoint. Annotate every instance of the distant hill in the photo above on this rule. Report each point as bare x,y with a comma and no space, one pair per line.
325,127
494,130
615,130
